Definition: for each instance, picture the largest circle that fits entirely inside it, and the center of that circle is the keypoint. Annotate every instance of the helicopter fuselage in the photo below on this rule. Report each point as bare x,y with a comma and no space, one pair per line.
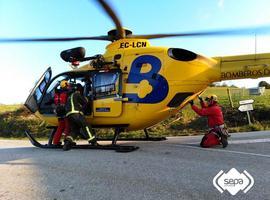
149,84
156,82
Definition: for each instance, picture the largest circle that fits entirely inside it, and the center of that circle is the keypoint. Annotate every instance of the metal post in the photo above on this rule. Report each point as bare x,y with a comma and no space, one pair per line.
230,97
146,133
249,121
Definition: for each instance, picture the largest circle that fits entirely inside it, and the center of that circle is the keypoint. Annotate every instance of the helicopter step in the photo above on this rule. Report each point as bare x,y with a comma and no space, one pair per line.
117,148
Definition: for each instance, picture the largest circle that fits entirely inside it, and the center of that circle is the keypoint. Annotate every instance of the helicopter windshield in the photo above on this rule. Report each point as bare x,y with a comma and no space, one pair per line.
35,97
41,87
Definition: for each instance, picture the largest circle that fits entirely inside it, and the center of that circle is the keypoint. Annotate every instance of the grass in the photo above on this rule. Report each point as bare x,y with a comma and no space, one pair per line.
9,108
15,119
190,124
237,95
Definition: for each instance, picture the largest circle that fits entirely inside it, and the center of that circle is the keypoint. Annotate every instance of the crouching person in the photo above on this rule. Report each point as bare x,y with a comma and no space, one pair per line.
75,107
217,133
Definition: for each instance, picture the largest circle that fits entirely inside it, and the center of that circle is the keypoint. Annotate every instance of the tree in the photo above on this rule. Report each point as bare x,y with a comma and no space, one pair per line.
264,84
212,85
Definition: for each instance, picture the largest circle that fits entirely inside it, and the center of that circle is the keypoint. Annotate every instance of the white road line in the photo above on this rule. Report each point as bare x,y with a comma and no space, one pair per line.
224,151
14,147
249,141
7,147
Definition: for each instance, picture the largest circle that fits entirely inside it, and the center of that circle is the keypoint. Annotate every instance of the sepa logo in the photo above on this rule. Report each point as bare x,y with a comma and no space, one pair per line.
233,181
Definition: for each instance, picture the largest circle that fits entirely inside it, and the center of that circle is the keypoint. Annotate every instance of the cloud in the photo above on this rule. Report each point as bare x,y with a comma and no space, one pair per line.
220,3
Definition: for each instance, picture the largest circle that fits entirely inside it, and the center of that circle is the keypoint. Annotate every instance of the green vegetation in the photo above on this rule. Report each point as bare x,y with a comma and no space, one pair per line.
15,119
187,122
8,108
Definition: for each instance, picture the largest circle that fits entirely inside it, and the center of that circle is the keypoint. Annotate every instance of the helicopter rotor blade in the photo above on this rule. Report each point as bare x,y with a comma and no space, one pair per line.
108,9
67,39
240,31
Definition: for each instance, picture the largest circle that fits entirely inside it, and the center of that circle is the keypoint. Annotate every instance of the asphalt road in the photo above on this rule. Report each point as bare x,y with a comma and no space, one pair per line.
174,169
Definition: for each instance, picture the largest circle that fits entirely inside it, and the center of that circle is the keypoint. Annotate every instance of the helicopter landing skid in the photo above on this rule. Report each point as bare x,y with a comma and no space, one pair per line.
146,138
117,148
135,139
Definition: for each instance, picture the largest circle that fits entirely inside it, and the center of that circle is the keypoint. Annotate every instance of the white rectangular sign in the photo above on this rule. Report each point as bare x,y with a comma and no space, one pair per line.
249,101
246,107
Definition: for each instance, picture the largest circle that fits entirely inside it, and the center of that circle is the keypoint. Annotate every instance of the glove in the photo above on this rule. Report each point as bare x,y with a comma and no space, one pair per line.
191,102
200,98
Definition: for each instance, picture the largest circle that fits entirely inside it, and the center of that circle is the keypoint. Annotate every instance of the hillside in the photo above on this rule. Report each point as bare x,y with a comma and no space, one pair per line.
15,119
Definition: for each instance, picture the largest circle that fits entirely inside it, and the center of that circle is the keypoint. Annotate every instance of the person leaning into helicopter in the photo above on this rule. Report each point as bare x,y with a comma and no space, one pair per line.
60,99
88,86
88,93
75,107
217,133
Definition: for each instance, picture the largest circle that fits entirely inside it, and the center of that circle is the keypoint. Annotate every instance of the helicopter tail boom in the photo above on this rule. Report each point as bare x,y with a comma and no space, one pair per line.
244,66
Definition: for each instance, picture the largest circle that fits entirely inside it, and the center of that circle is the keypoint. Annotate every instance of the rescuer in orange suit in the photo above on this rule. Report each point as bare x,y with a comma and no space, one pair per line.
217,133
60,99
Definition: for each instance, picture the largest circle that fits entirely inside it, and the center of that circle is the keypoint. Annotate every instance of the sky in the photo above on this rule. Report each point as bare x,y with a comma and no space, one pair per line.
22,64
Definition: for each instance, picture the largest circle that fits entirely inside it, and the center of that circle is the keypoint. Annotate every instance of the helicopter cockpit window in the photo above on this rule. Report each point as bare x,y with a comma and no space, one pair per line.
47,105
106,84
39,91
55,84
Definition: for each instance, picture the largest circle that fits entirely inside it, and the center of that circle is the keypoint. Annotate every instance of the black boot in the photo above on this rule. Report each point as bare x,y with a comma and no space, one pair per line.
93,142
67,145
224,141
223,135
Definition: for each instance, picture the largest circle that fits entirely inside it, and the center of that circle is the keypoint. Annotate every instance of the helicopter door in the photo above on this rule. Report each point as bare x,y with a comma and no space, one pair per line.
106,90
35,97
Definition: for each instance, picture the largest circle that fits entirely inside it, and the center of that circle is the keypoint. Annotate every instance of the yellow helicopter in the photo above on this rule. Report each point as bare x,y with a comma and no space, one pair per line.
136,85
